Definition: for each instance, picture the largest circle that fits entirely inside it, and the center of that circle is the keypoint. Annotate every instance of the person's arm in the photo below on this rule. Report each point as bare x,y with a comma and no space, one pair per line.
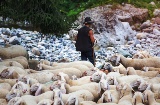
91,36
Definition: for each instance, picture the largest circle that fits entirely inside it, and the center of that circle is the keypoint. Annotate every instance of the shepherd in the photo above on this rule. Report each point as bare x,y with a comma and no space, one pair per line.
85,41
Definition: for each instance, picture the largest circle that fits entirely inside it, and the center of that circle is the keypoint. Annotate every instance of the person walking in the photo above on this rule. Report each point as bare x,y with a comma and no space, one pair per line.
85,41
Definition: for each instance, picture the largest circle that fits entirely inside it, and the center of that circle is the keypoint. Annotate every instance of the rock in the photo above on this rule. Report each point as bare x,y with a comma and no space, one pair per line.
141,35
145,25
156,12
157,20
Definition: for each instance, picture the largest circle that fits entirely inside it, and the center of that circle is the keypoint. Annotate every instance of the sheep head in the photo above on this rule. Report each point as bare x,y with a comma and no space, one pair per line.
96,76
57,93
143,86
14,93
115,60
137,98
136,83
106,97
103,85
7,73
36,89
72,100
148,95
13,101
124,89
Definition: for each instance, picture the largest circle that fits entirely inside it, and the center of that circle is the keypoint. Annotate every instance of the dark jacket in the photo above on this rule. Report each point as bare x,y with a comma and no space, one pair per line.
83,42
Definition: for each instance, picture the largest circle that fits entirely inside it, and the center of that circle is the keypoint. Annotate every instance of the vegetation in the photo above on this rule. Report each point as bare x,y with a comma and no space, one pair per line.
56,16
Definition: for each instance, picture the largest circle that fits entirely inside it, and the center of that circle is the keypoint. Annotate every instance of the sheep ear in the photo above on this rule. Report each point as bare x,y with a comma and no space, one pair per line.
115,81
38,92
76,103
133,100
143,98
118,59
101,99
99,88
63,103
149,87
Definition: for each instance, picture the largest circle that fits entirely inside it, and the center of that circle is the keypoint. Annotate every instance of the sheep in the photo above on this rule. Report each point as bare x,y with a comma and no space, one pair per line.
11,63
125,93
110,96
3,102
21,86
13,101
138,98
80,67
97,88
141,55
121,69
33,64
149,97
45,102
41,77
28,80
29,99
13,93
69,71
88,72
80,81
13,51
70,64
99,74
38,88
154,87
138,64
3,93
151,69
9,81
5,86
11,73
132,71
82,95
128,79
87,103
20,59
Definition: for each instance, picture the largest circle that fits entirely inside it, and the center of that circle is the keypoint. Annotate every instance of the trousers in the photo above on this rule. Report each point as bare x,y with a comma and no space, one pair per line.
88,55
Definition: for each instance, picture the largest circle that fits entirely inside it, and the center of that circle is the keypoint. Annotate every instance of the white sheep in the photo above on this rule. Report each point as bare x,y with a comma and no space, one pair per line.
22,87
109,96
64,77
128,79
28,80
87,103
151,69
138,64
121,69
10,81
38,88
54,64
82,95
9,63
97,88
141,55
3,101
125,94
45,102
69,71
149,97
41,77
80,67
138,98
20,59
13,51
